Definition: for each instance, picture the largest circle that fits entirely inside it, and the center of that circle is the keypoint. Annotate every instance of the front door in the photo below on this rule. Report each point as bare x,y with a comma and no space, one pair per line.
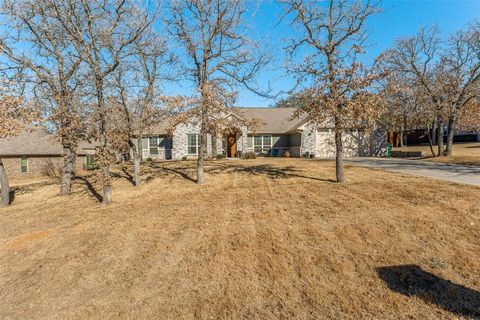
231,145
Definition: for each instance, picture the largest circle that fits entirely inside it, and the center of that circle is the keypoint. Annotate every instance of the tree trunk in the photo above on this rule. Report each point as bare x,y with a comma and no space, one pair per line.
402,132
214,144
107,188
202,150
430,143
136,174
339,156
451,132
68,170
137,159
5,199
440,149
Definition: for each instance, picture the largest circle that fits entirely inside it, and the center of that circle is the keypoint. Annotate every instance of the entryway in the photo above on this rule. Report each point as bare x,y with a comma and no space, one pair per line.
231,145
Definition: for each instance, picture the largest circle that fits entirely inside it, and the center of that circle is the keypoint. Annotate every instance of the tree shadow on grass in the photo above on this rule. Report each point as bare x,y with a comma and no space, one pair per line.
275,172
90,188
127,175
473,147
411,280
11,196
271,172
183,172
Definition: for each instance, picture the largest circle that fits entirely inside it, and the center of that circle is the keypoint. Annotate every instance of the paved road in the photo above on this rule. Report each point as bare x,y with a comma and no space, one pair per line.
450,172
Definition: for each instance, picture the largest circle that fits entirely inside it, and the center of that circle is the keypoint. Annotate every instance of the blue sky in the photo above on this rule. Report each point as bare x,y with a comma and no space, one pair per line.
399,18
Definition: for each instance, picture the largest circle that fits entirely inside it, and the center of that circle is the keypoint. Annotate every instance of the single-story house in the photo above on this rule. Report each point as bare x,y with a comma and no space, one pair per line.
35,152
277,132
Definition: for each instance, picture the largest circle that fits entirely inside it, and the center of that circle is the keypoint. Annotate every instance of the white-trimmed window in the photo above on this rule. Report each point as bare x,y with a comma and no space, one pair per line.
24,165
192,143
262,144
153,145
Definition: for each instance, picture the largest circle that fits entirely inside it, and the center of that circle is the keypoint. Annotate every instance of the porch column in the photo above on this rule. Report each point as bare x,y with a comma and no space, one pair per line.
243,139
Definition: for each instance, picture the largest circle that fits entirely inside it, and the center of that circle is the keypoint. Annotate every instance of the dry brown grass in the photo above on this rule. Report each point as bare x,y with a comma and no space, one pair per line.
463,153
262,239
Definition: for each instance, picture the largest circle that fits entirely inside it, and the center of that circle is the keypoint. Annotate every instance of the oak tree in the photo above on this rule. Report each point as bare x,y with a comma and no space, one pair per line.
219,58
335,85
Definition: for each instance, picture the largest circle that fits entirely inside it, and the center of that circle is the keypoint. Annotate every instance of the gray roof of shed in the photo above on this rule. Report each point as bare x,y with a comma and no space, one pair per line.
36,141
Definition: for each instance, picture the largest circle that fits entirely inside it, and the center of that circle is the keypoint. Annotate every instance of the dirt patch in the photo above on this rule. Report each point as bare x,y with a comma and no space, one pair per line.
26,239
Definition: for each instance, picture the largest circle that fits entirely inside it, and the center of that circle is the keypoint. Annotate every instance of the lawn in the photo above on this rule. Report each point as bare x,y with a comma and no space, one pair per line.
463,153
261,239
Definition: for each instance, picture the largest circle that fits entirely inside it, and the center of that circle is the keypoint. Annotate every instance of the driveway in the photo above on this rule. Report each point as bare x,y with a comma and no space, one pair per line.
450,172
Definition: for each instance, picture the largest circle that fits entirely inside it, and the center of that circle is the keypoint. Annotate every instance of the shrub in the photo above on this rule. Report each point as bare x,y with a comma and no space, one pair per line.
286,154
51,169
220,156
149,159
184,158
249,155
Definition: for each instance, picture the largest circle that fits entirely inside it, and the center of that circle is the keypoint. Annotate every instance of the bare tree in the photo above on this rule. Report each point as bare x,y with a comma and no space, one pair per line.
461,74
333,34
448,72
14,116
104,34
407,107
468,118
418,57
41,56
139,99
219,58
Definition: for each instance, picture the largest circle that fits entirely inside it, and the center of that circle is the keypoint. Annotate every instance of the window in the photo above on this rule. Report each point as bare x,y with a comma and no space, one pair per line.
153,145
192,144
90,162
24,165
262,144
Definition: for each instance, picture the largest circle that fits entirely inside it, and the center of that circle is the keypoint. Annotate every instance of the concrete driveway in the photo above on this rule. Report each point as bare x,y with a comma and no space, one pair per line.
449,172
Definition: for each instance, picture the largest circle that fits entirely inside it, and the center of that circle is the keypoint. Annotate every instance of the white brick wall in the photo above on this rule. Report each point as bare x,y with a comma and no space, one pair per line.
355,143
180,142
319,142
309,140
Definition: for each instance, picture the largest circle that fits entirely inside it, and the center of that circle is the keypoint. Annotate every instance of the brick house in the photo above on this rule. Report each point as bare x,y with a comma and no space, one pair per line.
35,152
279,131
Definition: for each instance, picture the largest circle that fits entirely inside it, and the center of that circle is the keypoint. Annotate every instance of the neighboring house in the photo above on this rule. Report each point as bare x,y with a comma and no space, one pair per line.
35,152
418,136
279,131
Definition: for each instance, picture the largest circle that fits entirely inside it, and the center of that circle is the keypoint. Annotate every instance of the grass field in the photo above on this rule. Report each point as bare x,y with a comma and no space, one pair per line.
463,153
262,239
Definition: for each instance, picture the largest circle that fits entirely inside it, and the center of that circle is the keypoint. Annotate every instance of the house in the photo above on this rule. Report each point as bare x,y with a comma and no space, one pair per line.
419,136
278,132
35,152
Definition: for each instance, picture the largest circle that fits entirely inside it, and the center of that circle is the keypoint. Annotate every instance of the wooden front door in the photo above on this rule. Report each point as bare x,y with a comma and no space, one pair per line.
231,145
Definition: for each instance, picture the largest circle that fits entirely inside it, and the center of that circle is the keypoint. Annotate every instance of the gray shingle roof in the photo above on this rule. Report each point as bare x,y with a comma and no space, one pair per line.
36,141
275,120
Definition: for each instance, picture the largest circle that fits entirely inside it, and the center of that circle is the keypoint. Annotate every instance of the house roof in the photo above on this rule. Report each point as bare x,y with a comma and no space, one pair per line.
274,120
36,141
